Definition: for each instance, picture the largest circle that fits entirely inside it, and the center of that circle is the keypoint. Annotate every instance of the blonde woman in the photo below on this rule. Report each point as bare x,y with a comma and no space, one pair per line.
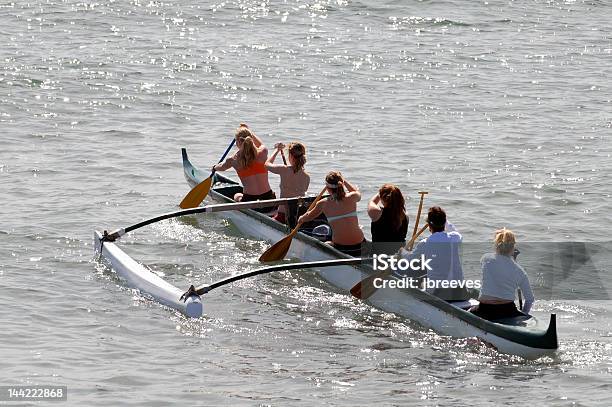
501,276
340,208
294,180
250,164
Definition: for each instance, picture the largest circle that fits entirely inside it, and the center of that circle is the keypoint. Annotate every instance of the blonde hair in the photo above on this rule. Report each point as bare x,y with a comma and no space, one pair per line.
504,241
337,192
298,152
247,152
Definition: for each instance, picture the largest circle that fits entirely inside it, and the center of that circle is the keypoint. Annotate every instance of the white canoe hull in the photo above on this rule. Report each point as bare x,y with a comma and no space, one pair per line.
139,277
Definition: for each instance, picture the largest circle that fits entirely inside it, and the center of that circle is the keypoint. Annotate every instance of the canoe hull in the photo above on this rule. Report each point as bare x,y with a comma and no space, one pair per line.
416,305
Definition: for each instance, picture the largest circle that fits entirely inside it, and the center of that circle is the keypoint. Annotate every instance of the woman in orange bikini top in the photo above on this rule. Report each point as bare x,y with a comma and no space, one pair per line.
249,162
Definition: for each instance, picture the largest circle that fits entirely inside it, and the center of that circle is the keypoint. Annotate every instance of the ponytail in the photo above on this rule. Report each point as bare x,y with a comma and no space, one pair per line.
298,152
247,152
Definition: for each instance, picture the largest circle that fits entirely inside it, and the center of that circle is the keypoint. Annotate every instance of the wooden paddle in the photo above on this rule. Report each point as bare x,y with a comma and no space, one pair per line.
195,197
203,289
279,250
111,237
418,218
365,288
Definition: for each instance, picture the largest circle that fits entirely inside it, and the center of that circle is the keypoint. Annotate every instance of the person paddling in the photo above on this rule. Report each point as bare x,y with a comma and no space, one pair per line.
294,180
501,277
442,247
249,162
340,208
389,227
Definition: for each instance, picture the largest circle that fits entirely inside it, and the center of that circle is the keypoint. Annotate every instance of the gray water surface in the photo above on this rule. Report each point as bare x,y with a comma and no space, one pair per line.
500,109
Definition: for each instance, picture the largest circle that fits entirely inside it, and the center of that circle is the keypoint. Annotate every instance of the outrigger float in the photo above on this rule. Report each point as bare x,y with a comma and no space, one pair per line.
525,337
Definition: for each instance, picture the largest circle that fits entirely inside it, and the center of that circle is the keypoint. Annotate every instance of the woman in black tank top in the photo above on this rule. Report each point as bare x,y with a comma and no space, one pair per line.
387,209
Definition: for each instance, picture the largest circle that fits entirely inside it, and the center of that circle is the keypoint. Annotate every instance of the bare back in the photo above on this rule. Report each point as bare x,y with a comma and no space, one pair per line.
346,231
255,184
293,183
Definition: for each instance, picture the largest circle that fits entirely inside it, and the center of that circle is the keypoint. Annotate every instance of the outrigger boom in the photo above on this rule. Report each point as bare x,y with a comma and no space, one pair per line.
111,237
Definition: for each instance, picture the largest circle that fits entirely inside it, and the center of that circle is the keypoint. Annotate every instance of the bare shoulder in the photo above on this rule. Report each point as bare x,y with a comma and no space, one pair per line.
322,203
354,196
232,160
262,152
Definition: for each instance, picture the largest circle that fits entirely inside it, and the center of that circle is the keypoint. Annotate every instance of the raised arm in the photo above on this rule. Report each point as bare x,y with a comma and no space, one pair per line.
374,209
257,142
353,191
227,164
270,160
270,166
313,213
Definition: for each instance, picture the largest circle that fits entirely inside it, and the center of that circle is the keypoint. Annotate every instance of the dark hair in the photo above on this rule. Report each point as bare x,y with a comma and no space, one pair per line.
436,218
393,200
298,152
334,178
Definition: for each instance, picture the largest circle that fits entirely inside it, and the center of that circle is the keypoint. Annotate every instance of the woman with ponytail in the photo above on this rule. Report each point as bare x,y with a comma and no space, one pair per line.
340,208
389,227
501,277
294,180
250,164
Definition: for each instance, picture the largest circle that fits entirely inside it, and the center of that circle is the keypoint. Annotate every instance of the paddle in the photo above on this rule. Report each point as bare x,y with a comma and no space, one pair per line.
198,193
418,218
111,237
279,250
365,288
519,292
279,267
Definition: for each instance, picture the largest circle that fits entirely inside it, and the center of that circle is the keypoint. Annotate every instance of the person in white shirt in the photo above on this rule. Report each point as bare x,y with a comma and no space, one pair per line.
501,276
442,247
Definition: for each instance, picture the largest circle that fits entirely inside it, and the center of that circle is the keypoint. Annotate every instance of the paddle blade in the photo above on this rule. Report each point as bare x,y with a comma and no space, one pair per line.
365,288
195,197
278,250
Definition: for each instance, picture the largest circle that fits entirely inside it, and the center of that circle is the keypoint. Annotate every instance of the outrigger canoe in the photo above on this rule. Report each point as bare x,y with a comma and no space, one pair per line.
519,336
527,338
